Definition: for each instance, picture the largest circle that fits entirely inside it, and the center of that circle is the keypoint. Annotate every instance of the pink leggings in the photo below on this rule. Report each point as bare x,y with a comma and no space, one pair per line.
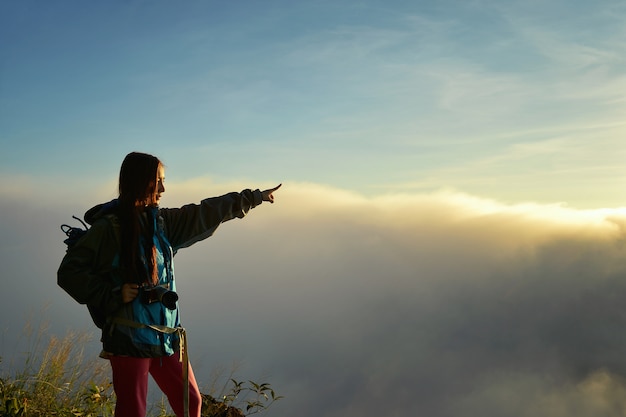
130,382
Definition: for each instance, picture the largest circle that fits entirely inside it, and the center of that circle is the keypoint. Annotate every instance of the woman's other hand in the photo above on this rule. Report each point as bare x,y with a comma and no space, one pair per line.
129,292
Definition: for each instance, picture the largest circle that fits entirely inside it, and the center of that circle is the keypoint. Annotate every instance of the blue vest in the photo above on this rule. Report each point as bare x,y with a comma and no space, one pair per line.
155,312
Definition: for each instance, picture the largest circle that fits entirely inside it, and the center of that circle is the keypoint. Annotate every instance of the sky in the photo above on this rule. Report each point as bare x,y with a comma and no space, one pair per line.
449,237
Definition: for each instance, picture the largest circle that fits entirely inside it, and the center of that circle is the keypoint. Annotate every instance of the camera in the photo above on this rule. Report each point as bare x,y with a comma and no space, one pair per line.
162,294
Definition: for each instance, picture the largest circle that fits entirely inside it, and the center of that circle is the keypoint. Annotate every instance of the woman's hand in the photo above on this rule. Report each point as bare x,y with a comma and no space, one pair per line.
129,292
267,194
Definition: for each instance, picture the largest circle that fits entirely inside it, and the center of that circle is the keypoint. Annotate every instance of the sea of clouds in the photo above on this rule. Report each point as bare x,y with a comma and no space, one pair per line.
438,305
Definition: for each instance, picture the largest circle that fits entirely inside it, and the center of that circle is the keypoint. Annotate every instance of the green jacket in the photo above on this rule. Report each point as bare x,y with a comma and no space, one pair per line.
90,272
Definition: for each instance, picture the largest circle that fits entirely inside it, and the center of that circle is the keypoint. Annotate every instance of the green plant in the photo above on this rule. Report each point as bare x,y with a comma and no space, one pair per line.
250,396
10,404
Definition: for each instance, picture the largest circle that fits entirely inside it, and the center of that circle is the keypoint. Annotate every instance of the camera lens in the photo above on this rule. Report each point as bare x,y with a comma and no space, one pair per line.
168,299
161,294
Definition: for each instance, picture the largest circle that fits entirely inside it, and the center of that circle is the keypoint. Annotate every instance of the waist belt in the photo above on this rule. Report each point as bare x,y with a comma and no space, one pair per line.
184,357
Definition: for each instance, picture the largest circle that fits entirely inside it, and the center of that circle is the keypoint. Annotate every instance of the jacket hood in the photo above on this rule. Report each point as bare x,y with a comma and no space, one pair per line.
101,210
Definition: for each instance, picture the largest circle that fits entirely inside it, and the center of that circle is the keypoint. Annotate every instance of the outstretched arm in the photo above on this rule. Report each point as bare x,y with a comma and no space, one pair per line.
195,222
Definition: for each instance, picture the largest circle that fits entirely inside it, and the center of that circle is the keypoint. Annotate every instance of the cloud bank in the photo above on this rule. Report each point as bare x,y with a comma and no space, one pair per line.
442,304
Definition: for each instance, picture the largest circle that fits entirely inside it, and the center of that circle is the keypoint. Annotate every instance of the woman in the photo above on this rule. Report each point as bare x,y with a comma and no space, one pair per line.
123,270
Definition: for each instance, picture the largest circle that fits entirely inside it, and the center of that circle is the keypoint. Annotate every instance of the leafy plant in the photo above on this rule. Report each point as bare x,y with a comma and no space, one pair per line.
242,399
255,397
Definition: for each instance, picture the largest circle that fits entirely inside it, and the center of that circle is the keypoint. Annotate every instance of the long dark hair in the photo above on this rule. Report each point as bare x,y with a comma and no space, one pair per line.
138,189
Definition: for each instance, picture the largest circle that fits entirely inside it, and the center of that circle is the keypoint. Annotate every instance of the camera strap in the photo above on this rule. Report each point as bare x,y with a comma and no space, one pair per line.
183,355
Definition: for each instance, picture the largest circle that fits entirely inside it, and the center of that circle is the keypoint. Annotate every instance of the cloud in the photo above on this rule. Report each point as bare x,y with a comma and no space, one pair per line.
601,393
441,304
420,304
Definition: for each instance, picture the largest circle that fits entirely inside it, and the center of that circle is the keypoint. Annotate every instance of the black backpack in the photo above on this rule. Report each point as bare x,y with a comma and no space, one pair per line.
73,235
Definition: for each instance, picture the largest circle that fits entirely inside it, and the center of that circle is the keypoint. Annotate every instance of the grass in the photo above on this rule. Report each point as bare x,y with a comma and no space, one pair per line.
57,380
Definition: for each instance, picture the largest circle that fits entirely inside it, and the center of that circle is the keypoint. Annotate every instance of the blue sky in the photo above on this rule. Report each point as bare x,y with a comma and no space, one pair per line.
449,237
518,101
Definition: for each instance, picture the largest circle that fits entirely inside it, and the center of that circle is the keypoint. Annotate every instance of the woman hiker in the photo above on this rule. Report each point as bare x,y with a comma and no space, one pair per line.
123,270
